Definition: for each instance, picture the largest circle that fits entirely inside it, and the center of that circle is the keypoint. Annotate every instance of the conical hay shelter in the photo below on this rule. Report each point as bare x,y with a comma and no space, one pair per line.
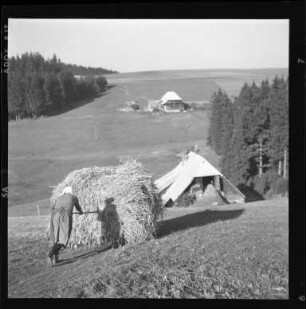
193,166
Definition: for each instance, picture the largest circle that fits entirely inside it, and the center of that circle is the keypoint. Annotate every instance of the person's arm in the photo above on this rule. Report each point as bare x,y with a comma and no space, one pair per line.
77,205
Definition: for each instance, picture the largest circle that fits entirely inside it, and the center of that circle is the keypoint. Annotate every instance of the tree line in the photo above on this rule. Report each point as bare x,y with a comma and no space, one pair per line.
87,71
38,86
251,134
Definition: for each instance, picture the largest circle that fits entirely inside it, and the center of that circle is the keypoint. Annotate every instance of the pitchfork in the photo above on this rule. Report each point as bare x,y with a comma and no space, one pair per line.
86,212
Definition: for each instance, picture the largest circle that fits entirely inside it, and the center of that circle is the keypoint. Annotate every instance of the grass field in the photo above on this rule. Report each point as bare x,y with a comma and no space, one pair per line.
230,80
42,152
232,251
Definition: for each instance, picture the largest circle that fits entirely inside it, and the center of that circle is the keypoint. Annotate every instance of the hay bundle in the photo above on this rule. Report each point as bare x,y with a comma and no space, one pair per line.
132,213
210,191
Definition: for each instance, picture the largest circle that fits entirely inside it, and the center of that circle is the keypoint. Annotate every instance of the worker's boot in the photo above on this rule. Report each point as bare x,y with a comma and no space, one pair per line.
50,261
56,253
52,256
56,257
54,260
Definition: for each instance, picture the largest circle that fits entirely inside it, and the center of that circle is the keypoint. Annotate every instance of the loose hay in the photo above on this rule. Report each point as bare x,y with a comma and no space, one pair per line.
129,217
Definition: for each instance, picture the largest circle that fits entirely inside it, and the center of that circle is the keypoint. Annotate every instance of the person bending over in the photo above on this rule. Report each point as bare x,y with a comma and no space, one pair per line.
61,222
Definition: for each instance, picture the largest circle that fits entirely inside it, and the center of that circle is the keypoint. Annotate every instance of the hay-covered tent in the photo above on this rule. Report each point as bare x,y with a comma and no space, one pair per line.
194,170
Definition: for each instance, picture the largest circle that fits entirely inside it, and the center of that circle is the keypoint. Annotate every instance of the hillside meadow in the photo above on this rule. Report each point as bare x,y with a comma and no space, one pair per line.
221,252
215,252
230,80
42,152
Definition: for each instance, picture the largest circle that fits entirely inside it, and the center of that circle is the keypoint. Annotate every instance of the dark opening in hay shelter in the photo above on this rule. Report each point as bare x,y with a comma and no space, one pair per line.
128,201
194,174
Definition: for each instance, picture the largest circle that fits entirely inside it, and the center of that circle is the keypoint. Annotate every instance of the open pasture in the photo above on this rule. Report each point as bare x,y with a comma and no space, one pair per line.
230,80
190,90
42,152
233,251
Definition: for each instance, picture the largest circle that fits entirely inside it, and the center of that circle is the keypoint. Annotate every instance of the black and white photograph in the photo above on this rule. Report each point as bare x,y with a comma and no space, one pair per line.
148,158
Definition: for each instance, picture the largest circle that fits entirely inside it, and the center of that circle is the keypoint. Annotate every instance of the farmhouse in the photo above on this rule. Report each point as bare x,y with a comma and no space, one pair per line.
171,102
194,175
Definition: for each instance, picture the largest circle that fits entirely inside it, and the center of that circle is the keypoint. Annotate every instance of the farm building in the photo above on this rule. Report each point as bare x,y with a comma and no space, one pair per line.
171,102
195,175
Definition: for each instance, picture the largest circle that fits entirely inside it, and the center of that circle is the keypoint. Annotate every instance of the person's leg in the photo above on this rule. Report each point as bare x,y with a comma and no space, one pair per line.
57,252
53,254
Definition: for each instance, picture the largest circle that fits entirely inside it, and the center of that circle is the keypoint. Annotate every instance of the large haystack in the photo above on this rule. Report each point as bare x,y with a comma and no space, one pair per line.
132,209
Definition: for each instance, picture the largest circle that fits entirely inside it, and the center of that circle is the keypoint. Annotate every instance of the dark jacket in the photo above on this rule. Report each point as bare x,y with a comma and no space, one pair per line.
61,218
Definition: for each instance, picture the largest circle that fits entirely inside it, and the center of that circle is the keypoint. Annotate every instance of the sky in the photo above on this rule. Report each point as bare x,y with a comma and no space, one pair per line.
148,45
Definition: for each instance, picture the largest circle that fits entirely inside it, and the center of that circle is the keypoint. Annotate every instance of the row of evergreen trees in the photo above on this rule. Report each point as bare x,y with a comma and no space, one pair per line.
251,134
41,87
87,71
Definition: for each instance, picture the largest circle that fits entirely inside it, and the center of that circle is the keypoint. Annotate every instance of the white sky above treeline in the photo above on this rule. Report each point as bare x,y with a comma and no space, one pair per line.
145,45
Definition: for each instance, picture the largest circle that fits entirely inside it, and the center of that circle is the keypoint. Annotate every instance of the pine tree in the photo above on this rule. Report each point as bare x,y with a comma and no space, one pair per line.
102,83
234,162
279,120
69,86
227,123
219,122
16,96
262,132
53,93
35,95
214,119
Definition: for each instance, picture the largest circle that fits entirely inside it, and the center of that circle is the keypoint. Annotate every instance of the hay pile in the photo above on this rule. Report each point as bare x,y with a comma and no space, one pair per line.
210,191
211,196
130,213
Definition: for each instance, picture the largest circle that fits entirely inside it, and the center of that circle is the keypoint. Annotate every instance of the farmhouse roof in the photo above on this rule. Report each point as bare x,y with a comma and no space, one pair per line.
177,180
170,96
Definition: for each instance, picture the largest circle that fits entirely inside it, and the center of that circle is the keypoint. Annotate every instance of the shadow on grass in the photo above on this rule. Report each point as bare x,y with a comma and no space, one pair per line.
251,195
79,103
198,219
82,256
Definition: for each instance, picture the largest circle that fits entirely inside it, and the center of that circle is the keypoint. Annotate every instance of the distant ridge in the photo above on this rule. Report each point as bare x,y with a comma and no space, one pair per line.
213,74
230,80
207,70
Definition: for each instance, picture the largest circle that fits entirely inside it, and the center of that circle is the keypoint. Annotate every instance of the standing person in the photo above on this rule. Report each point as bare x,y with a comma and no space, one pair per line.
61,222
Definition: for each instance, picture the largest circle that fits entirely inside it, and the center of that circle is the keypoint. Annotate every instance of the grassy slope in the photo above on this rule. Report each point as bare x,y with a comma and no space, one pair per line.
43,151
229,79
233,251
